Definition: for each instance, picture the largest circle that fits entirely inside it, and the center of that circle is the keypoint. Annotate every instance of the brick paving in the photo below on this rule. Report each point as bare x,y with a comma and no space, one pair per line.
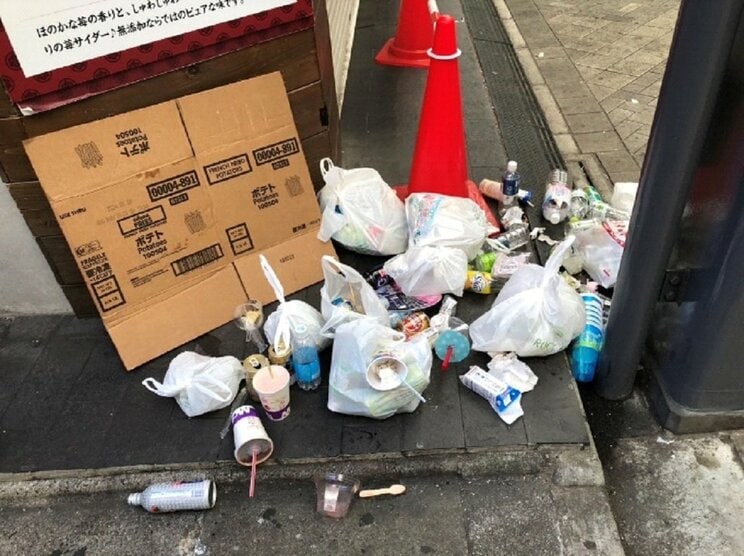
603,61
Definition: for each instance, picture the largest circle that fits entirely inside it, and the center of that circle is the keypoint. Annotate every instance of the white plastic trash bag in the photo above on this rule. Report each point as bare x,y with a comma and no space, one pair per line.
361,211
346,296
450,221
199,383
429,270
289,314
536,313
601,246
356,345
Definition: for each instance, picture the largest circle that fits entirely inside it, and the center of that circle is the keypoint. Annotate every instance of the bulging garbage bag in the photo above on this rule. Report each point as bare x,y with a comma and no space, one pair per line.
361,211
199,383
536,313
429,270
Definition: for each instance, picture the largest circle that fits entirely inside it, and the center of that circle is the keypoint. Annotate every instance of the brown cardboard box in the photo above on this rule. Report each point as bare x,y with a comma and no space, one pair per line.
167,208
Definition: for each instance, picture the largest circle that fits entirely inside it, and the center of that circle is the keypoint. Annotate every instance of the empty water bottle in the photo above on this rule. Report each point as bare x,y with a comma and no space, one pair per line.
510,182
557,197
603,211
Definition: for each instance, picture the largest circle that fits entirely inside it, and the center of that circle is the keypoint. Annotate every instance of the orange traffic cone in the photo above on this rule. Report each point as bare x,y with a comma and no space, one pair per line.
440,159
412,39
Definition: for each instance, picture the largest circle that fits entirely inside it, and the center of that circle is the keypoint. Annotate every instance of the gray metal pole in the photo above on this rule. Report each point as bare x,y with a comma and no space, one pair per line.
702,43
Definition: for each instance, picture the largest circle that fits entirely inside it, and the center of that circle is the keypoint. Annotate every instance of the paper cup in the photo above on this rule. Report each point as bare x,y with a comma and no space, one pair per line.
386,372
272,386
250,435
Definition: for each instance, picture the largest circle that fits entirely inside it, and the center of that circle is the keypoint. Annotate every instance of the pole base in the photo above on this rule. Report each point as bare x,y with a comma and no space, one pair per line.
391,55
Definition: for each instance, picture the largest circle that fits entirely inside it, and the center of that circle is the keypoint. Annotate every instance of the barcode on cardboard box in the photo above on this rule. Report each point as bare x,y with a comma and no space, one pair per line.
197,260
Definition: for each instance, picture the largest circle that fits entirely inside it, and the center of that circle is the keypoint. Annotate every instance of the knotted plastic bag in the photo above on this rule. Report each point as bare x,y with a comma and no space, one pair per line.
361,211
289,315
199,383
536,313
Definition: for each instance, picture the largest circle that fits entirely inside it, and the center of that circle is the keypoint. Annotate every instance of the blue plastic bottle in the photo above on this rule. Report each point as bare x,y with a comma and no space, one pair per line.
587,346
305,358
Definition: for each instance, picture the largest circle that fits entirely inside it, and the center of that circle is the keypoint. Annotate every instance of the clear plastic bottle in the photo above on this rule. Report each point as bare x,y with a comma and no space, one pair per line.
579,204
586,348
510,183
557,197
173,497
603,211
305,358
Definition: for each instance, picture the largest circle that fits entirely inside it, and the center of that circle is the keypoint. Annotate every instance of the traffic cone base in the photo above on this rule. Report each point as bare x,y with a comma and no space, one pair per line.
392,55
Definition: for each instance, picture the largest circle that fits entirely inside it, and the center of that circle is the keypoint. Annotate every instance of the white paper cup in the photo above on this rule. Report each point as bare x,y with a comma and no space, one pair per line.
272,386
250,435
386,372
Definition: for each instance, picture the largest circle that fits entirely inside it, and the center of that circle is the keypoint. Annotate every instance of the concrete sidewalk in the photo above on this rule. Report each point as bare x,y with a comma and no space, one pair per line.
596,68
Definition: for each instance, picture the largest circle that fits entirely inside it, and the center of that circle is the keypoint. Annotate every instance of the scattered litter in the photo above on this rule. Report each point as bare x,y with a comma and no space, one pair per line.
249,317
175,497
361,211
541,54
547,239
634,100
536,232
586,349
252,444
392,490
199,383
557,201
517,374
335,492
503,398
429,270
662,440
535,314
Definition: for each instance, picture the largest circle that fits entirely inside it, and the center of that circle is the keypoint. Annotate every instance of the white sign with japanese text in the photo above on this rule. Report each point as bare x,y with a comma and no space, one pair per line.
50,35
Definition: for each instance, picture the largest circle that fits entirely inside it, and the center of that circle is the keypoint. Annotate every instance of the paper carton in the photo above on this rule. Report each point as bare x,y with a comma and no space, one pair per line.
167,208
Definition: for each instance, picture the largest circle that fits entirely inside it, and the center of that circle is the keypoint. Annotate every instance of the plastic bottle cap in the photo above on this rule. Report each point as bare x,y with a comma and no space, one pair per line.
511,166
555,218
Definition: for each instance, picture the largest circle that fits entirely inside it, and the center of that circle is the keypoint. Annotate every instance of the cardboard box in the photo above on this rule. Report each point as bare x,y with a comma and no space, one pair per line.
167,208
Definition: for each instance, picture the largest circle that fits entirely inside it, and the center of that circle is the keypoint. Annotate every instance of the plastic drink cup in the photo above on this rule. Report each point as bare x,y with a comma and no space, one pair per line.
250,436
272,386
334,494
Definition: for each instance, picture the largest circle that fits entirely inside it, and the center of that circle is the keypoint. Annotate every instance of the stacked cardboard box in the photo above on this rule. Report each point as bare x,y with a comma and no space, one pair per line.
299,49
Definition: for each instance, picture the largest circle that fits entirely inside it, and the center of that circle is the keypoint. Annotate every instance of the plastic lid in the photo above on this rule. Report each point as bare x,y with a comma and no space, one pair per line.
511,166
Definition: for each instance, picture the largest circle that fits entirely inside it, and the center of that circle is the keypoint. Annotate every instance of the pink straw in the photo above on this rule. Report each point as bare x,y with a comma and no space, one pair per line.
252,488
448,357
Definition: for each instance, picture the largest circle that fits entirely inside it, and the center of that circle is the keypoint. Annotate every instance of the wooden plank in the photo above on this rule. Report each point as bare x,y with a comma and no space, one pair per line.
15,164
308,109
293,55
60,259
325,65
316,148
